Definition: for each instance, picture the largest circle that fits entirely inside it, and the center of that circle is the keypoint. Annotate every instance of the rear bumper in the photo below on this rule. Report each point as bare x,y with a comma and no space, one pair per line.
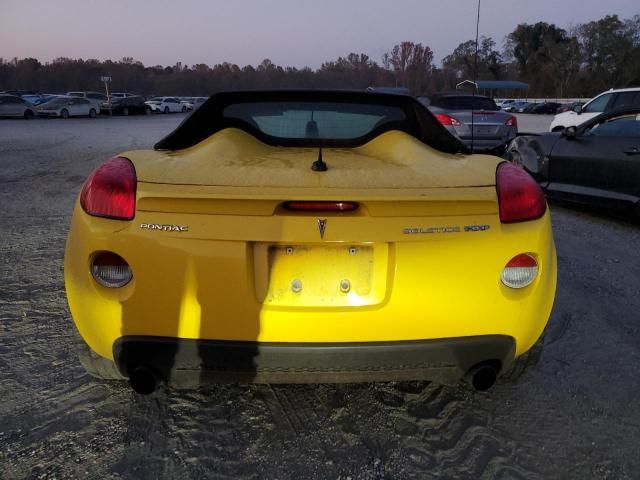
181,361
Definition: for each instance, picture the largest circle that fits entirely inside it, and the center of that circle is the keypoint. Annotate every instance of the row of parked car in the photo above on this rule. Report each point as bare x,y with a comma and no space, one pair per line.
28,104
548,108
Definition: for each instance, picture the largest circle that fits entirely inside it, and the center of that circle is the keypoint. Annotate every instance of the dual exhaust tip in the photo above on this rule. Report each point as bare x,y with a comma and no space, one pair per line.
481,377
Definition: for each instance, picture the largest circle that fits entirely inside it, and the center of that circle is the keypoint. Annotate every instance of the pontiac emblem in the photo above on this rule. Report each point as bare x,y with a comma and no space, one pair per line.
322,225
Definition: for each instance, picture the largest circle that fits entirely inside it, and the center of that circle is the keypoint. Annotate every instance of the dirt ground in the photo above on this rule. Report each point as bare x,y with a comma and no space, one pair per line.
575,415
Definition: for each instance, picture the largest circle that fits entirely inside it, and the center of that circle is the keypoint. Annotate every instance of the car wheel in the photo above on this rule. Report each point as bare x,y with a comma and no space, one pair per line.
184,109
64,113
524,362
92,113
147,111
95,365
28,114
125,112
166,109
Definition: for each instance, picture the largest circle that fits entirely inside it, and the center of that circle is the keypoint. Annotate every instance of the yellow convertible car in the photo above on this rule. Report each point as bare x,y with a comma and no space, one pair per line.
309,236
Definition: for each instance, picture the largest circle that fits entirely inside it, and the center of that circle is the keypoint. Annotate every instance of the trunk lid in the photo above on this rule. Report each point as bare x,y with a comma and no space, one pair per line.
234,159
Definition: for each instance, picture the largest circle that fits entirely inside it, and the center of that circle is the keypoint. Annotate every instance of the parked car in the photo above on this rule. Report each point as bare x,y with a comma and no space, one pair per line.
65,107
193,102
15,106
35,99
515,106
96,98
528,108
166,105
565,107
608,101
595,163
504,103
546,108
129,105
492,128
301,236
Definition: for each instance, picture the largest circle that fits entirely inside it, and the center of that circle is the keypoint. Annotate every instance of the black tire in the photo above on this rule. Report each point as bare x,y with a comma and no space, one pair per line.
166,109
125,112
525,361
95,365
184,108
92,113
28,114
147,110
64,113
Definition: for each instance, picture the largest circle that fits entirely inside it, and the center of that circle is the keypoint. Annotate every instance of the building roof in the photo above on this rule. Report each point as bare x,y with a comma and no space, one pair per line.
502,85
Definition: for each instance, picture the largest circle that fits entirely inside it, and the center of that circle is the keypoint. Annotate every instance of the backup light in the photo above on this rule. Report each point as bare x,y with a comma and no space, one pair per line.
520,271
111,270
520,198
110,191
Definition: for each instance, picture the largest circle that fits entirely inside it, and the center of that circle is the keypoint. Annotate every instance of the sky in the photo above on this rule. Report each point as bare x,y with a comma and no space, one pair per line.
289,32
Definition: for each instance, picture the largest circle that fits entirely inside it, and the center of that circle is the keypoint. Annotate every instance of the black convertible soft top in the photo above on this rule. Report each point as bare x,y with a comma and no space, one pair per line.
226,110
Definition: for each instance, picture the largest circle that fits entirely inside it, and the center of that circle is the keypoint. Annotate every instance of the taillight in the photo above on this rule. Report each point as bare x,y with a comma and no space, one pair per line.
520,198
446,120
511,122
520,271
321,206
111,270
110,191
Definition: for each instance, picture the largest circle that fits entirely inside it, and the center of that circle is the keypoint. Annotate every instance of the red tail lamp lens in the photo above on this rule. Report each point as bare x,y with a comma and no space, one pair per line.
520,271
321,206
110,191
520,198
446,120
512,122
111,270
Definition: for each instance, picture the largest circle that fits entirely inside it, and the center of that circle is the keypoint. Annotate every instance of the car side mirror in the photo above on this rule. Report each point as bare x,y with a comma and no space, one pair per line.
578,109
570,132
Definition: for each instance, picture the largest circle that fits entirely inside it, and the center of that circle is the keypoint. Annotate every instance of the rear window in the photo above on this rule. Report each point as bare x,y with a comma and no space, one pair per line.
314,120
465,103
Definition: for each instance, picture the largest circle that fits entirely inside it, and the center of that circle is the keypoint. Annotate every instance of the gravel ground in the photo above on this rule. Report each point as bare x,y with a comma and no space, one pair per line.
575,415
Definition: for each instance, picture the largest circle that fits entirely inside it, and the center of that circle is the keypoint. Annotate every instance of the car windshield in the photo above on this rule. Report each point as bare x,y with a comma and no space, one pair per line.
466,102
317,120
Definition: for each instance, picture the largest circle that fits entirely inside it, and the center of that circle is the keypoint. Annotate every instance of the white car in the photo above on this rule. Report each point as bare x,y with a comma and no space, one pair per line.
65,107
166,105
193,102
14,106
96,98
605,102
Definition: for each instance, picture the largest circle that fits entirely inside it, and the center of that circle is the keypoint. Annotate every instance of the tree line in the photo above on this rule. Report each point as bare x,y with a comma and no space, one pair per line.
579,61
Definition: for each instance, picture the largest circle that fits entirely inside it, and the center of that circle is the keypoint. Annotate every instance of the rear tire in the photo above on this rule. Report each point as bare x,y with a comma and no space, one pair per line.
166,109
92,113
184,109
125,112
28,114
64,113
95,365
147,111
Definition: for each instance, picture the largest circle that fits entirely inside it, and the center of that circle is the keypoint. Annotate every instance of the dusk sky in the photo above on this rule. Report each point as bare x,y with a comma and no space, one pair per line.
289,32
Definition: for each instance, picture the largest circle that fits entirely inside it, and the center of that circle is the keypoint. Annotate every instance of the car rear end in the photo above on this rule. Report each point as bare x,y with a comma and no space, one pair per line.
476,120
236,260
